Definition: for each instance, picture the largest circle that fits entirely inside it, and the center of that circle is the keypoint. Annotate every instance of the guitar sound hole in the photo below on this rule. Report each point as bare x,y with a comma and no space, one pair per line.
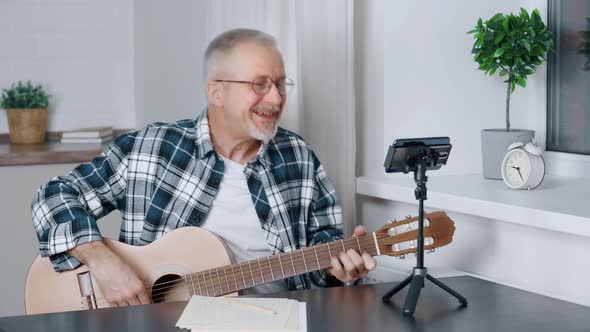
169,287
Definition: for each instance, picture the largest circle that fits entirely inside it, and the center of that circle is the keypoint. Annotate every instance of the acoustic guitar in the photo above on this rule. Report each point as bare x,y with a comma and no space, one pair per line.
191,261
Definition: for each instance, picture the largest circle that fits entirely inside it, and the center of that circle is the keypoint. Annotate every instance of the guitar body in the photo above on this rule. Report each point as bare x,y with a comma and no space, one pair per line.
178,253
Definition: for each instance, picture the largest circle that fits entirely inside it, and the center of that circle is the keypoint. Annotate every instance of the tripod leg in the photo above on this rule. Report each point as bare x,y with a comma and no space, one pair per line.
413,294
459,297
396,289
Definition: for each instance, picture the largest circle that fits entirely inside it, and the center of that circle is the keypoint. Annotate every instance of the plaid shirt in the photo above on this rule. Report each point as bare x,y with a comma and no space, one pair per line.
166,176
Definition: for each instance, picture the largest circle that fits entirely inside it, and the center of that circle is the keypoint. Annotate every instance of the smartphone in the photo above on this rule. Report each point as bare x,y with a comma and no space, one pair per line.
403,153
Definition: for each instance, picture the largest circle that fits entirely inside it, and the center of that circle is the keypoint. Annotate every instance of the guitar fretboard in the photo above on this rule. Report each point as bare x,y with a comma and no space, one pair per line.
233,278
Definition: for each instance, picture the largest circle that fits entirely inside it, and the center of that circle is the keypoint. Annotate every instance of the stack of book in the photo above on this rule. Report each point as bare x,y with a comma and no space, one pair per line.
88,135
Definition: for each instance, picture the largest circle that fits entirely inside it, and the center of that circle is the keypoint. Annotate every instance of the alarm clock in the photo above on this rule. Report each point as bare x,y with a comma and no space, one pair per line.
523,166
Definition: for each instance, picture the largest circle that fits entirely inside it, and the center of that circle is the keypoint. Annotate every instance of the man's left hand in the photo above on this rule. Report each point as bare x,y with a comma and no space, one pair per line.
351,265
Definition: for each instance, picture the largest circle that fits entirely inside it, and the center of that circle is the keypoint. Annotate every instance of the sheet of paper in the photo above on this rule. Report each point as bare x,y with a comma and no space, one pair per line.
243,314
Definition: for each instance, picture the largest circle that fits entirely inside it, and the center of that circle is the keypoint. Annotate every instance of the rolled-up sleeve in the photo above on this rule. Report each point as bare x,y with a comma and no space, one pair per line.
325,221
66,209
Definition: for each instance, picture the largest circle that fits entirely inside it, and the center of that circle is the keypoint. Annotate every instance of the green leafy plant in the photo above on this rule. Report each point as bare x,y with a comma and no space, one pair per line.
26,96
514,45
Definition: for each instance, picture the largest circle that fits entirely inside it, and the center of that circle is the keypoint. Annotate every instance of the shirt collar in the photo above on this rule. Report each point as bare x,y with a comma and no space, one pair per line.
203,136
205,145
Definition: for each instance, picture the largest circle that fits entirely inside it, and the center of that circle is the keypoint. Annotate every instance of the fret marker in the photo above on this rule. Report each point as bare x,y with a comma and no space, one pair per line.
281,264
198,284
304,263
243,278
293,264
206,287
376,244
316,257
358,244
219,281
272,275
235,278
261,274
226,281
252,274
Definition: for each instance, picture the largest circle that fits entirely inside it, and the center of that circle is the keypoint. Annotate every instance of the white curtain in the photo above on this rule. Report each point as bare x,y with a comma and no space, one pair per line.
326,60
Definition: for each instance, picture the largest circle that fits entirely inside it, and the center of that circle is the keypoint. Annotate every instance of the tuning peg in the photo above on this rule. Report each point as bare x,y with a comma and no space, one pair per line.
402,256
431,250
408,216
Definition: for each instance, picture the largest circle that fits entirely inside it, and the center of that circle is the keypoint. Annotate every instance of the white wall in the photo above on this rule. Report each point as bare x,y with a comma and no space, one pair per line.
80,51
432,84
169,44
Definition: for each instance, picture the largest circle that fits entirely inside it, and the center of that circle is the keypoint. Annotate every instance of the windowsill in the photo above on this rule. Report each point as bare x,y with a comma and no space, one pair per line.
559,204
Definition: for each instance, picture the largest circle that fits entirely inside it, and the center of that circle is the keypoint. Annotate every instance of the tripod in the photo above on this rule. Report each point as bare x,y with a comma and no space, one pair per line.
420,272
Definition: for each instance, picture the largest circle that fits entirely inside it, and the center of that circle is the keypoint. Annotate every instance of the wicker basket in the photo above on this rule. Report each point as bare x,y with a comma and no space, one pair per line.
27,126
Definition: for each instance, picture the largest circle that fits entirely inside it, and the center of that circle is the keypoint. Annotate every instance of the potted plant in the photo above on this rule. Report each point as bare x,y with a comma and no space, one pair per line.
26,109
514,46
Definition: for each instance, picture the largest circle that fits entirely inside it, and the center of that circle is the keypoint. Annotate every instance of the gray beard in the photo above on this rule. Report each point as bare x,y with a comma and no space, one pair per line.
264,136
269,133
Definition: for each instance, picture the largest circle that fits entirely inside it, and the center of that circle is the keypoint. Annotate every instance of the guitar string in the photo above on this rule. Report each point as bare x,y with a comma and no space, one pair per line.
264,261
367,237
217,280
260,267
212,281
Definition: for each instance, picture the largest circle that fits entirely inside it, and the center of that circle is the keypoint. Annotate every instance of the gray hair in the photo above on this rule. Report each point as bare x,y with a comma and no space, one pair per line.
225,42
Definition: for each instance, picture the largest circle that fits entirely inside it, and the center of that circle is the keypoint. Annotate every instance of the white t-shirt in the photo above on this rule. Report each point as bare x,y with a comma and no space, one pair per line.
233,218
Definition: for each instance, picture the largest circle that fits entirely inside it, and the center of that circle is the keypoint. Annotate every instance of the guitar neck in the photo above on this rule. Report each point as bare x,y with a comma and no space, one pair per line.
232,278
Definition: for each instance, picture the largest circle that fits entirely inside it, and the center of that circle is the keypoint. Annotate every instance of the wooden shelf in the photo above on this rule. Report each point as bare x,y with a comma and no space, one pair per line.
48,153
51,152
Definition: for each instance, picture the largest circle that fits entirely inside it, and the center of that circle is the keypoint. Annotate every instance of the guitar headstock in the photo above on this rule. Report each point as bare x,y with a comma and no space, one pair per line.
399,237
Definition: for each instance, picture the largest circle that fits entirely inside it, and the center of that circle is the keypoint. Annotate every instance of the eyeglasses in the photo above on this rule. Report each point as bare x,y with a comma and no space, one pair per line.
262,85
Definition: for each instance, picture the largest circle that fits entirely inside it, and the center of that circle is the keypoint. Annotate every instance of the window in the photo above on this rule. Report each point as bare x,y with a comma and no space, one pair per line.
568,83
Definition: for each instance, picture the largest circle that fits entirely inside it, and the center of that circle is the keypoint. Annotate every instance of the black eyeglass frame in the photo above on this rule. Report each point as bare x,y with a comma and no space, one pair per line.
288,83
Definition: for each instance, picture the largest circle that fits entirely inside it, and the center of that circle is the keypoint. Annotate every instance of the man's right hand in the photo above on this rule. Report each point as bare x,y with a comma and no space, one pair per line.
118,283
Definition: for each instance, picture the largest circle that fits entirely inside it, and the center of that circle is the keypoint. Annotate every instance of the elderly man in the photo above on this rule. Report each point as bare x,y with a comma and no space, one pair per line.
231,170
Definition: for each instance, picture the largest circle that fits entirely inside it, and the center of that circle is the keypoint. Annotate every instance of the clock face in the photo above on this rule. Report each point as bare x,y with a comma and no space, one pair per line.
517,168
